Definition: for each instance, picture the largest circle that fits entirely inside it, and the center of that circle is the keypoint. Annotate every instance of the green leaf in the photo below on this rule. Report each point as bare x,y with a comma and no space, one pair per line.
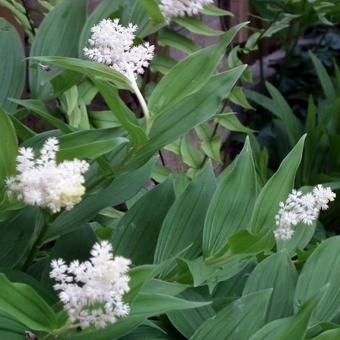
294,327
12,65
175,121
279,107
232,204
8,149
325,80
277,272
197,26
118,191
238,320
58,35
37,107
215,11
17,236
151,6
191,74
321,268
275,191
123,114
139,228
23,304
183,225
88,68
333,334
11,329
176,40
148,305
232,123
188,321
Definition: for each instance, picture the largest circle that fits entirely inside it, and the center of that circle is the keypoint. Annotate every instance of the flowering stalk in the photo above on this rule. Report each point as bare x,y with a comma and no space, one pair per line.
112,44
300,208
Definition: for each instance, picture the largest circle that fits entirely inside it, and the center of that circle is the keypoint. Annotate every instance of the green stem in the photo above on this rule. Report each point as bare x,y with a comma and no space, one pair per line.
141,99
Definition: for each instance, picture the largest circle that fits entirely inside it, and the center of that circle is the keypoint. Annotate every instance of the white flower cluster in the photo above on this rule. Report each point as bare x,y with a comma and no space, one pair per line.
92,291
112,44
44,183
181,8
301,208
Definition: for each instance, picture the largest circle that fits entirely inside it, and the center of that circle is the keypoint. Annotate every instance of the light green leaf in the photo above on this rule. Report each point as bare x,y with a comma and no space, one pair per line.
197,26
176,40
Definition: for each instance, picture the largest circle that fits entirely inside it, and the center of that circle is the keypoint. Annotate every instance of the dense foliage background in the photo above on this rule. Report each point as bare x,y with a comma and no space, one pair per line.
189,196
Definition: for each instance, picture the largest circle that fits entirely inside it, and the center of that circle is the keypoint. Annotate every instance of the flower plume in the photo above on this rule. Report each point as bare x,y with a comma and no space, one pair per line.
92,292
44,183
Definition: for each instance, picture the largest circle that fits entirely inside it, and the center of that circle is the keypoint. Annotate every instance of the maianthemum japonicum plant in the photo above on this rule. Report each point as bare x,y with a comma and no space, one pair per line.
101,241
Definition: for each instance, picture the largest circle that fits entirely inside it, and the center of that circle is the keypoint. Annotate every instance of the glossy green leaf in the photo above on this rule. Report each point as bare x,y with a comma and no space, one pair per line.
183,225
333,334
321,268
58,35
11,329
238,320
138,230
12,65
232,204
232,123
277,272
191,74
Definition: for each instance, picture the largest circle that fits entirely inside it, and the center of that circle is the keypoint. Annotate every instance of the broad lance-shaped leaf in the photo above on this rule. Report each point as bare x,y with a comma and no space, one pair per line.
183,225
294,327
57,35
122,188
276,190
232,204
333,334
138,230
188,321
24,305
8,150
321,268
12,65
191,74
193,110
278,272
238,320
